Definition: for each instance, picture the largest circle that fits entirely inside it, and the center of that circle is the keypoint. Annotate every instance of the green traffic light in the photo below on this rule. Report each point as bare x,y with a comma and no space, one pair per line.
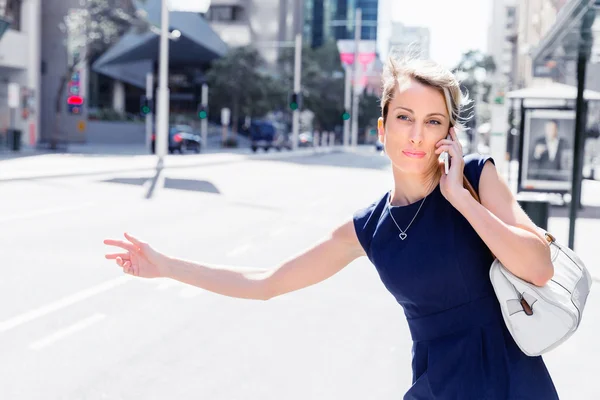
294,106
146,110
346,116
202,114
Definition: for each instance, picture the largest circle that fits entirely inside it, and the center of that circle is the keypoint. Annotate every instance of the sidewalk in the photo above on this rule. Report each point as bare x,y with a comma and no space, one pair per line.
81,160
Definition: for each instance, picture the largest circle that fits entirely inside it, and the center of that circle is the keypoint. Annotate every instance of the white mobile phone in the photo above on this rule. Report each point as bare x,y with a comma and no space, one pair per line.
446,158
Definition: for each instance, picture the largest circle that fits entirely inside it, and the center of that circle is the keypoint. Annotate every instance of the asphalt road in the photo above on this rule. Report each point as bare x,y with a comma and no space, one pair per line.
72,326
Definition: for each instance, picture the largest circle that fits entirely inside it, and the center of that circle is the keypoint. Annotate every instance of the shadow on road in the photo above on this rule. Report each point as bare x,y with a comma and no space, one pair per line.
169,183
192,185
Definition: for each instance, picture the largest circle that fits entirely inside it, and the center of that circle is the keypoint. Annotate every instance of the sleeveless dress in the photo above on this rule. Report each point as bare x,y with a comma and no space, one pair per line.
439,275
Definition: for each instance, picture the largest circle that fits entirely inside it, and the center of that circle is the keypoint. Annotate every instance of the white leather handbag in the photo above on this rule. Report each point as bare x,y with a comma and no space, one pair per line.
541,318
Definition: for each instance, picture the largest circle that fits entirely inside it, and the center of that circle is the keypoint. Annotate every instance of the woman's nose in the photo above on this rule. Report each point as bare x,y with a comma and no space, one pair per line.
416,134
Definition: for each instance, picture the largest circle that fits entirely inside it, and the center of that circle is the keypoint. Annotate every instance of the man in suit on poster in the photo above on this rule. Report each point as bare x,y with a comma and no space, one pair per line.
550,154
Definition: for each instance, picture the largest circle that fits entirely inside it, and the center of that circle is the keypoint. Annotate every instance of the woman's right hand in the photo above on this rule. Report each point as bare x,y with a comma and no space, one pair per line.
139,259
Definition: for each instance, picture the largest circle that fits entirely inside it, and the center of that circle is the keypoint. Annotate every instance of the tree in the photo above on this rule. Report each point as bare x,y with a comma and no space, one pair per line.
369,110
322,83
240,80
88,32
474,70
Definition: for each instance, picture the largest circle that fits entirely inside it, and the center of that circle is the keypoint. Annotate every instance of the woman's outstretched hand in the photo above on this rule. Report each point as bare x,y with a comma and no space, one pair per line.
138,258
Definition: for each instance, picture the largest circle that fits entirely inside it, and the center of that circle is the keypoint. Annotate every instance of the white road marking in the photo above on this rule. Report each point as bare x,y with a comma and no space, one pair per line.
48,340
47,211
65,302
239,250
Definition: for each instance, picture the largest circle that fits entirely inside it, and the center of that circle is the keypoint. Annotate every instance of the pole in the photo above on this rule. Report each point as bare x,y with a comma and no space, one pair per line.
297,71
204,122
347,104
580,119
150,115
357,77
162,117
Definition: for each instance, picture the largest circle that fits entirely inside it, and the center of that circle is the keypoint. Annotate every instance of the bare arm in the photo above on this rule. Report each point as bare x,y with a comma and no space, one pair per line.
314,265
506,229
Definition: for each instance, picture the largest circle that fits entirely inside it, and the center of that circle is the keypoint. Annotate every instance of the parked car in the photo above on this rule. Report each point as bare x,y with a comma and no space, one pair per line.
182,138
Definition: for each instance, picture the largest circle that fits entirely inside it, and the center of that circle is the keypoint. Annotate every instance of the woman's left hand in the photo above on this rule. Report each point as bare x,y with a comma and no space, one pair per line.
451,185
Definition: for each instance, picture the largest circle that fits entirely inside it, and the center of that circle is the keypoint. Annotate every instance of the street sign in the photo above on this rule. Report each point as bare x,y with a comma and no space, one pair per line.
81,126
225,116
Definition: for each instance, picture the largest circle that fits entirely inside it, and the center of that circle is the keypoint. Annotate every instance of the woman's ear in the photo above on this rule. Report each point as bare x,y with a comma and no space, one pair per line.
380,129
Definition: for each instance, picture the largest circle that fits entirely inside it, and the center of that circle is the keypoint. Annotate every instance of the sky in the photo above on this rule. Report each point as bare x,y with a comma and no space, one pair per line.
455,25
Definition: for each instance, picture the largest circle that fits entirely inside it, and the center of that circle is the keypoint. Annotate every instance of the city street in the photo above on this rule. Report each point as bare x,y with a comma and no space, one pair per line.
73,326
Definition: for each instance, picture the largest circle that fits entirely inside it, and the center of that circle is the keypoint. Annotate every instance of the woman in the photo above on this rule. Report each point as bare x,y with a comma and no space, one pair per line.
430,241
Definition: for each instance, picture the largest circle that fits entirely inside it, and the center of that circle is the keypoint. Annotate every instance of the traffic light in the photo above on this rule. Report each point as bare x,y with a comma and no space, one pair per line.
202,111
295,101
145,106
346,116
74,104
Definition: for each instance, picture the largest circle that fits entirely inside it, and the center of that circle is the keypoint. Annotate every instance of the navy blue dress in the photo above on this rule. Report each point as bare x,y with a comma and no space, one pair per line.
439,275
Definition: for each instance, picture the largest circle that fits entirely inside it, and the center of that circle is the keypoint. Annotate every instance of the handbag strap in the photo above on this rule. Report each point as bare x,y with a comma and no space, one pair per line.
467,185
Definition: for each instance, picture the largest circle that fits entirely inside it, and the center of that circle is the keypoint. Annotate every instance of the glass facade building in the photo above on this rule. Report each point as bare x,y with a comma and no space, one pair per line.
326,20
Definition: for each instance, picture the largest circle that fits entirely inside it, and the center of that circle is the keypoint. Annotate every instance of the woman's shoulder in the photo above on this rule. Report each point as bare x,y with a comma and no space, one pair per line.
474,164
367,218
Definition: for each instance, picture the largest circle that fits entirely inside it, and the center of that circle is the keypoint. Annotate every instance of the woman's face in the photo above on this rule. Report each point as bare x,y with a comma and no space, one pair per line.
417,119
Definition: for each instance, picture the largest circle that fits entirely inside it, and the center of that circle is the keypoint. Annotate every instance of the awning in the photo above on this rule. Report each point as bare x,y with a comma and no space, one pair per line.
552,91
562,41
198,43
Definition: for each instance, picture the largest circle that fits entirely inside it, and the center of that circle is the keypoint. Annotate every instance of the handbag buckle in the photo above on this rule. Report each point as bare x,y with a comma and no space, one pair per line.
526,307
549,237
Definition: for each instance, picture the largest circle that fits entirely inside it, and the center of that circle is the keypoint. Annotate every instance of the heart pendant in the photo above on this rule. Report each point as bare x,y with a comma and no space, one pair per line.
403,236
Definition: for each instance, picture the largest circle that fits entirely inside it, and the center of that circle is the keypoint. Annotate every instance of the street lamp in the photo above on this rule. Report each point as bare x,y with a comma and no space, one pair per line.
162,115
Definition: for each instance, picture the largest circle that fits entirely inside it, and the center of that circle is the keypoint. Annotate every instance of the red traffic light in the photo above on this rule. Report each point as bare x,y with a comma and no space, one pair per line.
75,100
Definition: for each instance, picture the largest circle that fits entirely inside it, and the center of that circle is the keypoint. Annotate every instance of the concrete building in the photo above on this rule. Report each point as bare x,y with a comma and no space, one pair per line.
502,44
21,68
535,18
414,38
112,86
266,24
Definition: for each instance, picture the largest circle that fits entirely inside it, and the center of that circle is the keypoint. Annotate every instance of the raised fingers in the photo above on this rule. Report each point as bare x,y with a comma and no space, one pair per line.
113,256
135,241
120,243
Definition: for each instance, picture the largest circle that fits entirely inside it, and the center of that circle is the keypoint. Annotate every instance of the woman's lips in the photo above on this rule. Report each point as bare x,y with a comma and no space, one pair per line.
414,153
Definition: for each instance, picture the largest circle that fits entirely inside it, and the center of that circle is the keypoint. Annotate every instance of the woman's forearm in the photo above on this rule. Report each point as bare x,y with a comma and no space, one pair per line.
229,281
522,252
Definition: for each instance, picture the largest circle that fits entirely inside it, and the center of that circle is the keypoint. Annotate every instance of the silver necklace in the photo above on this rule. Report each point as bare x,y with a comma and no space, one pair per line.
403,234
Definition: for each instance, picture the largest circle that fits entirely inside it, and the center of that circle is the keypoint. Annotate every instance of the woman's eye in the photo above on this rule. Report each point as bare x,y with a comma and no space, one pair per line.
434,122
403,117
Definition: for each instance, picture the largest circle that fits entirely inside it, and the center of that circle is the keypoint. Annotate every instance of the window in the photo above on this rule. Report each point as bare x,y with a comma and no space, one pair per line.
12,9
224,14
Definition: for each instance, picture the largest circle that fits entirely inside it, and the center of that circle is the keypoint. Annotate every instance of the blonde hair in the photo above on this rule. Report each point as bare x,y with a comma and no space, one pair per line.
426,72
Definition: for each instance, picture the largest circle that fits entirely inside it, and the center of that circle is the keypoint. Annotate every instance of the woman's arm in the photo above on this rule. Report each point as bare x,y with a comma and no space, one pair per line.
506,229
308,268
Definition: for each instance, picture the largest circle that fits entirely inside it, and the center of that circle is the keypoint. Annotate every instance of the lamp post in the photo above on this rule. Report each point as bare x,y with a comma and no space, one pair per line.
162,93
